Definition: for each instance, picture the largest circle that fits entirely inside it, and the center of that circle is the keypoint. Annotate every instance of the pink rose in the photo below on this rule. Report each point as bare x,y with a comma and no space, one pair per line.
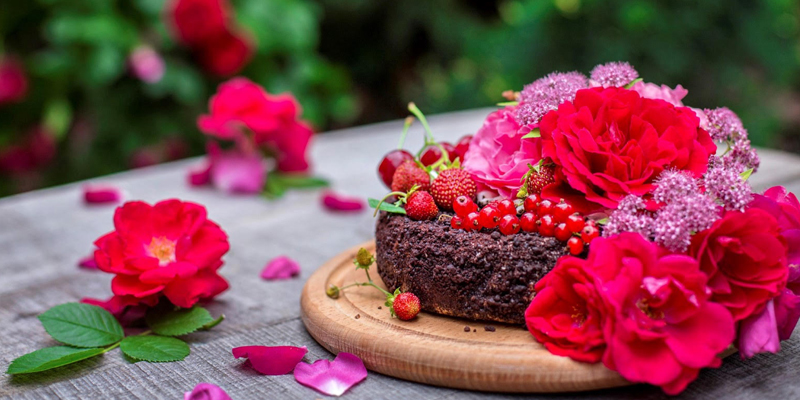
273,120
498,158
146,64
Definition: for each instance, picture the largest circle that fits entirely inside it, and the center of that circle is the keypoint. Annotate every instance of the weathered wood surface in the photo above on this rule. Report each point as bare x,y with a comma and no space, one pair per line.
44,233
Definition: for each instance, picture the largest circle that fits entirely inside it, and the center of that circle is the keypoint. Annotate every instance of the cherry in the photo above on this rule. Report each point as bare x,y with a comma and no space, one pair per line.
562,233
389,164
463,205
433,153
457,222
528,222
506,207
590,232
546,207
509,224
547,225
471,222
575,245
563,211
575,223
532,203
489,217
461,147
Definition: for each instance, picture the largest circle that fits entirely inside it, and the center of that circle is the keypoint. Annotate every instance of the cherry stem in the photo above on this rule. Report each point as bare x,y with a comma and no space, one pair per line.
406,126
417,113
378,207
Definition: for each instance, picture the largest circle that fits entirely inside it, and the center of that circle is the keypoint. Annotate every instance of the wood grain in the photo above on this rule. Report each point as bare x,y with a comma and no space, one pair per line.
435,349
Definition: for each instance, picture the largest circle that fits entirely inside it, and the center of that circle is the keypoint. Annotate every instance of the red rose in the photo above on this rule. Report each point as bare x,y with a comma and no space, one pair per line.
660,327
13,82
611,142
565,315
168,249
274,121
225,54
36,149
744,256
197,21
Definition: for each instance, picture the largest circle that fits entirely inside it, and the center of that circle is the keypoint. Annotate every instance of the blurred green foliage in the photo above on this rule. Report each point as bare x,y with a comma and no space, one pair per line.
357,61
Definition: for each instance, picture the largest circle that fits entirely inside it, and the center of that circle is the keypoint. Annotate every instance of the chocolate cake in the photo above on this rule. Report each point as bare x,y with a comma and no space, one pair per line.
475,275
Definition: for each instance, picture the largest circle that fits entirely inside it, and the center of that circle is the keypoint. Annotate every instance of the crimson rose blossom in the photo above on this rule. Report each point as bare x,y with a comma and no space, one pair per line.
744,256
611,142
168,249
273,119
197,21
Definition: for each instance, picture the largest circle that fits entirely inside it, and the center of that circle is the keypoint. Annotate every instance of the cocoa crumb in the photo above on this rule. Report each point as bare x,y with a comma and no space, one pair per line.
474,330
380,308
489,328
467,329
358,316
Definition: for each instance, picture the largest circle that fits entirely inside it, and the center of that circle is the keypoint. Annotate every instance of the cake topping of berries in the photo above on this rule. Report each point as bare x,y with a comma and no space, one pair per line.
450,184
409,174
539,176
420,206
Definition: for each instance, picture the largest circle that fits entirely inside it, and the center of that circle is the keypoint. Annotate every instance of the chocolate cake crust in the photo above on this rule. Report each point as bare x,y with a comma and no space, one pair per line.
474,275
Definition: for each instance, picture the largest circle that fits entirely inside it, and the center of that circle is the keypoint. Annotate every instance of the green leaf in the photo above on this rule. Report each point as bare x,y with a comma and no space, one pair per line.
746,174
178,322
274,189
533,134
508,103
49,358
81,325
633,82
154,348
386,206
298,181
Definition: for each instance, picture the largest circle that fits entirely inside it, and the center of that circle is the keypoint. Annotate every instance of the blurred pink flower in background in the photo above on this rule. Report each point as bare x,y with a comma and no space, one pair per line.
146,64
13,82
36,149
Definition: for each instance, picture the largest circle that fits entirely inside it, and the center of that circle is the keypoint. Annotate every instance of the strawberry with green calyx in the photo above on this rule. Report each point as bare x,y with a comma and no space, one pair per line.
404,306
539,176
408,174
450,184
419,205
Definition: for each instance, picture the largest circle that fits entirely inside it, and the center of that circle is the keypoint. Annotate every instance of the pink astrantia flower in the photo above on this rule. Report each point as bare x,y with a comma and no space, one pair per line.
498,158
102,194
332,378
88,262
546,94
146,64
280,267
613,74
333,201
271,360
206,391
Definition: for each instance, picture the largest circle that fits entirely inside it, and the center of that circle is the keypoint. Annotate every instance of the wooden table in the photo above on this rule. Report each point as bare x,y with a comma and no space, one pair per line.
44,233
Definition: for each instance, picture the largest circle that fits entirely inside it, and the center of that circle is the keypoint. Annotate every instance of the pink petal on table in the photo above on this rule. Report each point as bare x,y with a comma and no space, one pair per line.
88,262
280,267
206,391
272,360
332,377
337,202
100,194
200,174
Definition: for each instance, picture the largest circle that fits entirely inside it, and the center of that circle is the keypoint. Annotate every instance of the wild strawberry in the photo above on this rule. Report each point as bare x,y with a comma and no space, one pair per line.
509,224
528,222
463,205
540,177
547,226
421,207
457,222
590,232
506,207
389,165
546,207
489,217
405,306
472,222
409,174
575,223
562,211
532,203
575,245
450,184
562,233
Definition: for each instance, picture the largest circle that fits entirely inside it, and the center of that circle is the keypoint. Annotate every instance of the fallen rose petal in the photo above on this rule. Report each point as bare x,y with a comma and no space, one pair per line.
336,202
332,377
206,391
101,194
236,172
280,267
88,262
199,175
271,360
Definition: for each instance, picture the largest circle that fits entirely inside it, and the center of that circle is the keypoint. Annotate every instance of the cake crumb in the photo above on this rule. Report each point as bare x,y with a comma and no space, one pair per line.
467,329
474,330
489,328
380,308
358,316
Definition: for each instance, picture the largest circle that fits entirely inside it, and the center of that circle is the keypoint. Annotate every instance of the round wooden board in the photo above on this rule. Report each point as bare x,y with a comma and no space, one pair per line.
435,349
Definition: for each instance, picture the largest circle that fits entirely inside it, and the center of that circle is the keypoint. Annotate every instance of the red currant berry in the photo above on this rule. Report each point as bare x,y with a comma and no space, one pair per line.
563,211
532,203
389,164
575,245
507,207
562,233
547,225
509,224
575,223
546,207
471,222
457,222
463,205
489,217
528,222
590,232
